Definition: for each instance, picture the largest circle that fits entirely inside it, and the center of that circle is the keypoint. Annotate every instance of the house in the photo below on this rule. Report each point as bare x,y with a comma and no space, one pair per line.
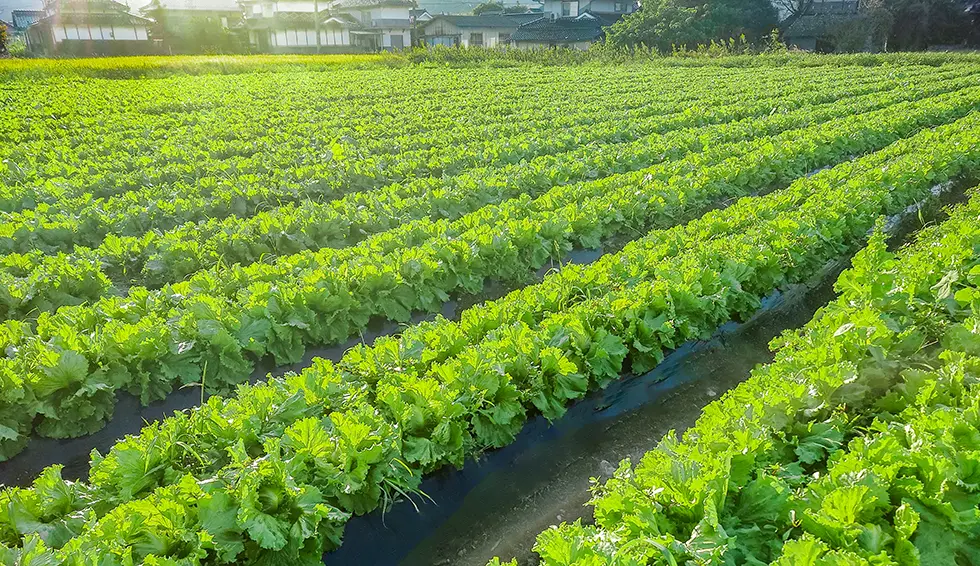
487,30
574,24
88,27
328,26
383,24
283,27
815,29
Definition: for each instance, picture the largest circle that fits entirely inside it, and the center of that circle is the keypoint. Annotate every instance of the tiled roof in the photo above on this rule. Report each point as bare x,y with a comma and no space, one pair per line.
350,4
561,30
85,6
197,5
21,19
484,21
77,18
345,19
522,19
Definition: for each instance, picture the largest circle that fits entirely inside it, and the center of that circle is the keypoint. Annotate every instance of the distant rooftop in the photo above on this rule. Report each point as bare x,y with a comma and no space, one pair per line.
203,5
561,30
483,21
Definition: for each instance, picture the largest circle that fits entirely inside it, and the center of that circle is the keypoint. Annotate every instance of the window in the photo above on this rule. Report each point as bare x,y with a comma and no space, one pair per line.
566,9
444,40
256,9
619,7
224,21
397,41
476,39
504,39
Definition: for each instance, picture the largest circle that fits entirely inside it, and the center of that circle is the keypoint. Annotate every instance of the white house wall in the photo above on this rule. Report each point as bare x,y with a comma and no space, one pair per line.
441,28
294,38
390,13
307,37
129,34
491,36
99,33
554,7
606,6
388,33
334,36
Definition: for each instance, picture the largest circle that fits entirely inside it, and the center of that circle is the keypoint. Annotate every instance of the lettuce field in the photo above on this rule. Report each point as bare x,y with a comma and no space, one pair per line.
327,284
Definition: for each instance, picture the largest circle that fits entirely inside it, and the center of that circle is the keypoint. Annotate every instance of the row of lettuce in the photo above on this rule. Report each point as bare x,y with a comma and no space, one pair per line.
245,125
132,218
62,372
37,282
274,472
858,445
287,153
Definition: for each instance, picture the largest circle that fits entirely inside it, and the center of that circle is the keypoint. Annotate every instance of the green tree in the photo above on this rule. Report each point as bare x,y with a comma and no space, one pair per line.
903,25
666,23
488,7
918,24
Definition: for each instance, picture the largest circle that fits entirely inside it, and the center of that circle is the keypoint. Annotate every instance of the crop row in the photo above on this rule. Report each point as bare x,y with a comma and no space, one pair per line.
64,116
36,283
210,329
857,445
275,470
189,107
222,141
254,135
335,170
